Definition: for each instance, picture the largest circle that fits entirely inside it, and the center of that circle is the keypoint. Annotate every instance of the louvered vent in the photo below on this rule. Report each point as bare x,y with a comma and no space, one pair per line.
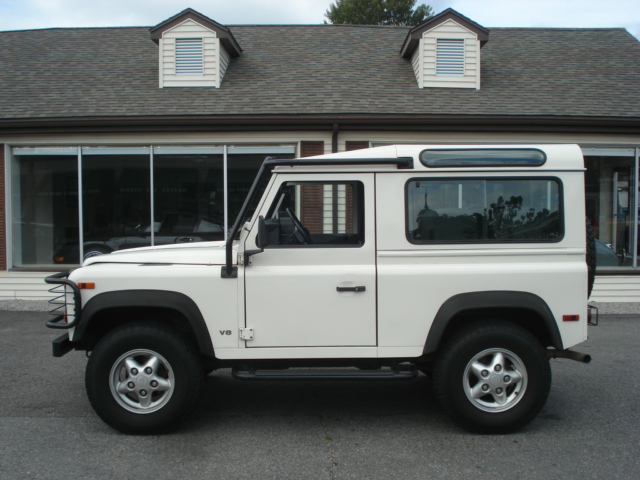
189,57
450,58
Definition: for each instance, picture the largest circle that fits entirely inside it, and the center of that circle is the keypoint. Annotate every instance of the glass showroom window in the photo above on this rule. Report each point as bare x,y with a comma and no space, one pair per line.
116,205
44,205
188,194
243,164
131,197
611,204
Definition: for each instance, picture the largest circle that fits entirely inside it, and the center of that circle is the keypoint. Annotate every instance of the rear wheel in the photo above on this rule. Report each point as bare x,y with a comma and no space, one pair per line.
143,378
493,377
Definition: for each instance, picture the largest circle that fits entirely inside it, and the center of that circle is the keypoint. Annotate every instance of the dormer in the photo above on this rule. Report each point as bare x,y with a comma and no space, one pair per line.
445,51
194,51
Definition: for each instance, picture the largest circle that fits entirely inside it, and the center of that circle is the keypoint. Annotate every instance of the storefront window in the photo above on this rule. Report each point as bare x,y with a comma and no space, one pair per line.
116,201
610,203
243,165
188,194
44,200
125,202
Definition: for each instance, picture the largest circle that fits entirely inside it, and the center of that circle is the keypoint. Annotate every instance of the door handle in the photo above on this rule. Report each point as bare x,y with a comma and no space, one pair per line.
351,289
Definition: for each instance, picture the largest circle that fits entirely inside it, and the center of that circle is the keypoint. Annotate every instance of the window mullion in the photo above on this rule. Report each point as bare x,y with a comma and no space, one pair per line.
80,209
151,193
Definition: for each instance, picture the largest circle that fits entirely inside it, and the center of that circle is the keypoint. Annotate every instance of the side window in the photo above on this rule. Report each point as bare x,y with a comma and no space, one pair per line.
484,210
317,214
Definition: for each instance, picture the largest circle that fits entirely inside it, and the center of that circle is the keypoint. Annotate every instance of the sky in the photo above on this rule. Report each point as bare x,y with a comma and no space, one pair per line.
30,14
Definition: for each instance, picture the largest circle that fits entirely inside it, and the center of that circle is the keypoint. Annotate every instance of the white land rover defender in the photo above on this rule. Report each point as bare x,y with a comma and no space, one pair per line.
468,263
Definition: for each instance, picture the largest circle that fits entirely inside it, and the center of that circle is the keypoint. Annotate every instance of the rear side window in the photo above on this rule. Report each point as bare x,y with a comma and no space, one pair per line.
483,157
484,210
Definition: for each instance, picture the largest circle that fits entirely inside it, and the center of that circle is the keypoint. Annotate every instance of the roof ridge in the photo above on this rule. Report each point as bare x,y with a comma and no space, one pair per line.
72,28
386,27
555,29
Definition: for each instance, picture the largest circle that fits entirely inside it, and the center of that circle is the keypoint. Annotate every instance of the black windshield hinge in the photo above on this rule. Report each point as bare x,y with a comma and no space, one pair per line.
225,273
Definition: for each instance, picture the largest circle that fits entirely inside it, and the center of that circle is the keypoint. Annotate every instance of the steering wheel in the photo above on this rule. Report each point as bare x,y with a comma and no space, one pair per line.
301,233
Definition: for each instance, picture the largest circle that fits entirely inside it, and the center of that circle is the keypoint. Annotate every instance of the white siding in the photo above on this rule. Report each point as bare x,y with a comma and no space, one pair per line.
450,30
211,49
224,62
24,286
416,63
616,288
341,209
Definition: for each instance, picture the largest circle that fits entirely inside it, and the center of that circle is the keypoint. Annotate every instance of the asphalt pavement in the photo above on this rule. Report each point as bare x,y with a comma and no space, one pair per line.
589,429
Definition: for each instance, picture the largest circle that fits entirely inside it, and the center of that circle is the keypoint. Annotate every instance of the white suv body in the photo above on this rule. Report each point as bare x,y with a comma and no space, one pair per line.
349,257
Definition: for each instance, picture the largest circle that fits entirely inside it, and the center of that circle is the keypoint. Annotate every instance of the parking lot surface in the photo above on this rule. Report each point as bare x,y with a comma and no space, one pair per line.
590,427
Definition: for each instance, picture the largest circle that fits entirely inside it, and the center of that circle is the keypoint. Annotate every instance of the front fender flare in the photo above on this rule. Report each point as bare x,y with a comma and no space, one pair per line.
175,301
486,301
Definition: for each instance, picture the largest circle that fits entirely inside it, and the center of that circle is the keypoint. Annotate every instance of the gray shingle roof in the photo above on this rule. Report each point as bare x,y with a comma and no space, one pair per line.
314,70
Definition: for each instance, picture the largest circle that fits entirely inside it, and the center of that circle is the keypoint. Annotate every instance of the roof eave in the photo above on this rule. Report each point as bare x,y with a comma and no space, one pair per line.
352,122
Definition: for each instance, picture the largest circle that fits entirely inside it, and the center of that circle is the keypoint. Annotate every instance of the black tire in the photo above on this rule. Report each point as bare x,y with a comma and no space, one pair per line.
131,396
591,258
479,345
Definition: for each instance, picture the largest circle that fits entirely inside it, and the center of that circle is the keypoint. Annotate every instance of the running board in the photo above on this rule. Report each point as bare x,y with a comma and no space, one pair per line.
326,374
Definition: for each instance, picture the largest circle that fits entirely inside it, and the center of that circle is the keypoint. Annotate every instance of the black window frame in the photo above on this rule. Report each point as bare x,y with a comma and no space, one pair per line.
359,218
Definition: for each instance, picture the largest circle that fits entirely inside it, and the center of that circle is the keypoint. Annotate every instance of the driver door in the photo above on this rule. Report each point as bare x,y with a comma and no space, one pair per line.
314,285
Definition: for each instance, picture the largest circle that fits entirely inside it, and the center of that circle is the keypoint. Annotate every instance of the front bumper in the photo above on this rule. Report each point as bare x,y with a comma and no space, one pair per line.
67,310
62,345
61,304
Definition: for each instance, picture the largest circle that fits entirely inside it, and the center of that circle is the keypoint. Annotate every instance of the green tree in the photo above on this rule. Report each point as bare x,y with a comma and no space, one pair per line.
378,12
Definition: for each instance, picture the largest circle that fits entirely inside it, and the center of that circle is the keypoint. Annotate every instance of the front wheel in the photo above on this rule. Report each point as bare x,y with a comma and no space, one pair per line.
493,377
143,378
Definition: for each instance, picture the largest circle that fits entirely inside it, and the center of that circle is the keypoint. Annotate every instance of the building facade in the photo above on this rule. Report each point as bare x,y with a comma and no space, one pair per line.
116,138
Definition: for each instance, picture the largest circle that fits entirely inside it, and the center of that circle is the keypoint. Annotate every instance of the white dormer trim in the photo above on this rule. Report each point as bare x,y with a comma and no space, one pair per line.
214,57
428,52
457,63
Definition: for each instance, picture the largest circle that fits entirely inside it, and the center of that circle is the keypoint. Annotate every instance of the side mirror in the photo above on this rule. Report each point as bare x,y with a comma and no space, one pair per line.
263,235
263,238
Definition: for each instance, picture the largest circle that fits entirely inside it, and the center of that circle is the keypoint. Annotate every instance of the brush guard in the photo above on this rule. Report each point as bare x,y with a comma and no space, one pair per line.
60,303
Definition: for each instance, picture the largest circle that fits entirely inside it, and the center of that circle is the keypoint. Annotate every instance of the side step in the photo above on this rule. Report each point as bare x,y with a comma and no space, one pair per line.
405,373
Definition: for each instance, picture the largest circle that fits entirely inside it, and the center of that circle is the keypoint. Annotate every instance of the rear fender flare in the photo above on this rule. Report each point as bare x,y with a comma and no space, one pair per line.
459,304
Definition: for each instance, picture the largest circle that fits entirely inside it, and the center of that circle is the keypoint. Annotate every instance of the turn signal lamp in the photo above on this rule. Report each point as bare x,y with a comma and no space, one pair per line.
86,286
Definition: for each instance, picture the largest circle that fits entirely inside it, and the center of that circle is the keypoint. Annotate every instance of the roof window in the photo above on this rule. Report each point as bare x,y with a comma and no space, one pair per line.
189,56
483,157
449,58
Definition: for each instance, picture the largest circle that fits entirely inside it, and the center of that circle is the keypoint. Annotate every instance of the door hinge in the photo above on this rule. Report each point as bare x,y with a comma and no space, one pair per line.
246,334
